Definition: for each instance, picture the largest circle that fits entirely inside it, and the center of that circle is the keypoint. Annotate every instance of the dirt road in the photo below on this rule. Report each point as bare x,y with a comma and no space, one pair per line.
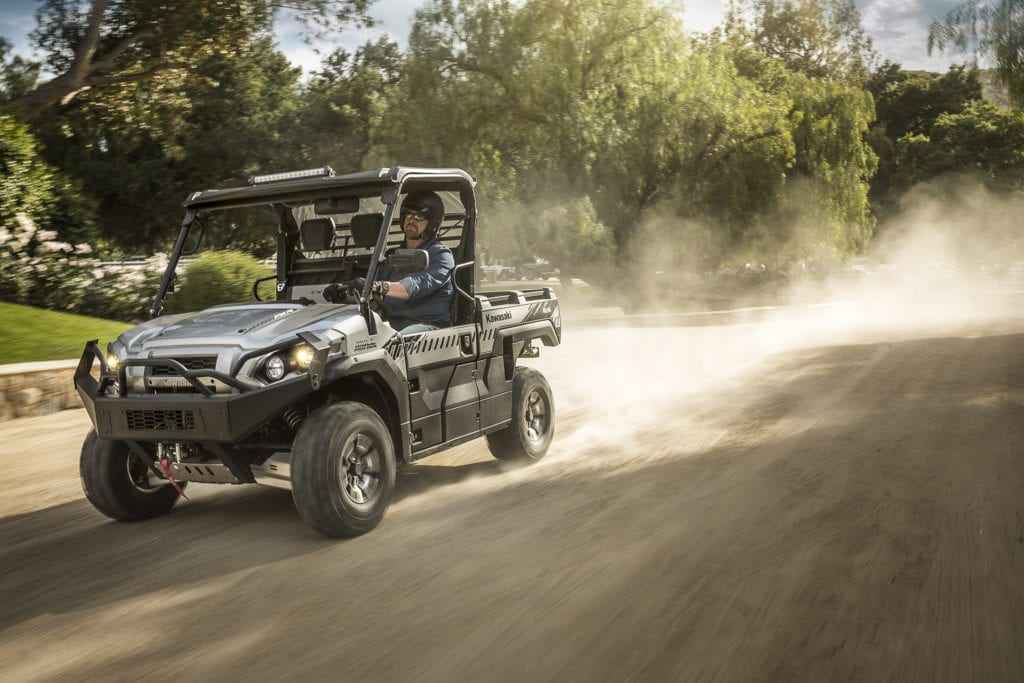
803,500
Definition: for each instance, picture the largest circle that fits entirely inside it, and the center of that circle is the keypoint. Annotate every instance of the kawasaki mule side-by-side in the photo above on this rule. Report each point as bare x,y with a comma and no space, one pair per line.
298,392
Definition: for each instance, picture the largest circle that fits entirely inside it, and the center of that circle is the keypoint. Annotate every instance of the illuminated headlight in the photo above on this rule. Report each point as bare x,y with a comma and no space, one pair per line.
113,358
275,368
303,356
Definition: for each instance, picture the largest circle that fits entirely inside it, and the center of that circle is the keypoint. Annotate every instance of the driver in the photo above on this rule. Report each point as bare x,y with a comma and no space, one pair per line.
419,302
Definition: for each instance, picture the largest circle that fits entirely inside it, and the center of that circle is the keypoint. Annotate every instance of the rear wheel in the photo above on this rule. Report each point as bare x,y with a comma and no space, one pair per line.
118,484
343,469
527,438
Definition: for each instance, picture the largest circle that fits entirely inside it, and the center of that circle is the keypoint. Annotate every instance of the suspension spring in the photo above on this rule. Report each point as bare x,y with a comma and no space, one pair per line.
293,417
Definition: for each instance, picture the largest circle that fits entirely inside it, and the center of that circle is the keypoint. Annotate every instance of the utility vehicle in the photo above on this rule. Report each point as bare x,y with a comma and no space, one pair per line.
297,392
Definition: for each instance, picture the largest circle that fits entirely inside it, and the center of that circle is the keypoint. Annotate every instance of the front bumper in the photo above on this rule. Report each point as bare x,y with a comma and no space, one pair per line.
225,418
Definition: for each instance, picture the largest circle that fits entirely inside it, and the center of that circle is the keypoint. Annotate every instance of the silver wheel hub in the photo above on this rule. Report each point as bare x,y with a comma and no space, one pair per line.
536,416
360,471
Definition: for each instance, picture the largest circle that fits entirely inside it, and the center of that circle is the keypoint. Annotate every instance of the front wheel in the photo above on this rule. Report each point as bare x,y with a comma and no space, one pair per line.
343,469
118,484
527,438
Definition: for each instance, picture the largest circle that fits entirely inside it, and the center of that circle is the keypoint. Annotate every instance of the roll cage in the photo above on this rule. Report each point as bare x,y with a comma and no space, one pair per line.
282,195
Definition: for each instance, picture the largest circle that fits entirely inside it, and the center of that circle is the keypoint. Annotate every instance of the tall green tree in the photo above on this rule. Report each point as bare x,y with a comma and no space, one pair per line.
600,106
823,54
533,95
992,29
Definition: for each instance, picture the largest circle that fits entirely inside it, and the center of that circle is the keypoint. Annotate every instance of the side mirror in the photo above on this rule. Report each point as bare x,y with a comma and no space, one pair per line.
405,261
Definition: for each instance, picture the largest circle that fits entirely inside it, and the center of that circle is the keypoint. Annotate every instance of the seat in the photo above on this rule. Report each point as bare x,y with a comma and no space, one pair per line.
365,228
316,234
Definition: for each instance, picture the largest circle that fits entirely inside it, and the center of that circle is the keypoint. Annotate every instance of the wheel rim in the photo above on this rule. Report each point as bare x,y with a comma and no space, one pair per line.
361,473
138,475
536,416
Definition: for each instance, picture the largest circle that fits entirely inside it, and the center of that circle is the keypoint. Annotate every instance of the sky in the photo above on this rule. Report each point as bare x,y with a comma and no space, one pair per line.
898,28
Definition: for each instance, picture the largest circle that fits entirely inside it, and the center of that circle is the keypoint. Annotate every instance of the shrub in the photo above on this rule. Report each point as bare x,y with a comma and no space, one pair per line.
217,277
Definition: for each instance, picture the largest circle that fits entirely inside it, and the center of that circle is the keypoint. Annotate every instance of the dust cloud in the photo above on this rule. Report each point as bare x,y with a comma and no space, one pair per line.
952,257
639,385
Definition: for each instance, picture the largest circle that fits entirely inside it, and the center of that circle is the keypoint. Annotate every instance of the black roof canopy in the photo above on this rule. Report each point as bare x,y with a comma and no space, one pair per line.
362,183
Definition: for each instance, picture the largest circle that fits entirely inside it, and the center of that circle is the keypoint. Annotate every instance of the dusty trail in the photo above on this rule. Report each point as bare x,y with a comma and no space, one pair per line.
728,504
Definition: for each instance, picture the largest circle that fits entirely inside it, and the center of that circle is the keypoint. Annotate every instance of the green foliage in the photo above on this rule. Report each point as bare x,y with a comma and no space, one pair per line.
822,39
105,52
834,162
215,278
18,75
339,100
238,117
994,29
983,139
29,334
26,181
907,105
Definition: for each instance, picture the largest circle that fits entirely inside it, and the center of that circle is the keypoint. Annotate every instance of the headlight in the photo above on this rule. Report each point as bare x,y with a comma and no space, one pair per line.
303,356
295,359
275,368
113,358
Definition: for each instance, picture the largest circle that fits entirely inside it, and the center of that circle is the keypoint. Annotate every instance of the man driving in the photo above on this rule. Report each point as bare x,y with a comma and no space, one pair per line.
419,302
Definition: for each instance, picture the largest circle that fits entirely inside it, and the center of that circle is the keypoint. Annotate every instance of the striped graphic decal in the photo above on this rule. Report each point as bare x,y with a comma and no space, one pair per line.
541,310
424,343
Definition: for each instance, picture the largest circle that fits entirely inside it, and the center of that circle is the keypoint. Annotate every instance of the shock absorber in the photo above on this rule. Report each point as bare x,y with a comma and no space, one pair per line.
293,417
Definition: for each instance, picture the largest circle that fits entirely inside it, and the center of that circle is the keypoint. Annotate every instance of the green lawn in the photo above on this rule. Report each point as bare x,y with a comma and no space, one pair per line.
31,334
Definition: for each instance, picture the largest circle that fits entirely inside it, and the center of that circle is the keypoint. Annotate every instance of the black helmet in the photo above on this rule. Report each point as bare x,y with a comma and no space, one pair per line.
427,203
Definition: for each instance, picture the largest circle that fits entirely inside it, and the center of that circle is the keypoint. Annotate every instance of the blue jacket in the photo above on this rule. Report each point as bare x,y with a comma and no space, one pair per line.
430,291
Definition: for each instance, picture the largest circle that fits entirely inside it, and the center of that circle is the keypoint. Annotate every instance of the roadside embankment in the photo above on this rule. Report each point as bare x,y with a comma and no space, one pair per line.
32,389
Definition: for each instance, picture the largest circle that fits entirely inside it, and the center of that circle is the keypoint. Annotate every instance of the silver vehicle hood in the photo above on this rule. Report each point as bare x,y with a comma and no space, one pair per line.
248,326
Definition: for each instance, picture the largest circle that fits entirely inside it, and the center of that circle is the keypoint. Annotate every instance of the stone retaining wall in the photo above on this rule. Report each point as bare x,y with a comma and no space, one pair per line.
30,389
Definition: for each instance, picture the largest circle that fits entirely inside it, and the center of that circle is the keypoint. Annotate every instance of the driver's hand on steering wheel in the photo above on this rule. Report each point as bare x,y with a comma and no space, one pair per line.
378,288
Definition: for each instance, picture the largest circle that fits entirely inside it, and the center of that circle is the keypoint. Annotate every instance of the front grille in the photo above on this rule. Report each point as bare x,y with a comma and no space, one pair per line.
191,363
145,420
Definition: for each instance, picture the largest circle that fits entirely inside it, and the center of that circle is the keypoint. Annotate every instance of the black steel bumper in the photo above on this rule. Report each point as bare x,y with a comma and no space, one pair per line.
202,417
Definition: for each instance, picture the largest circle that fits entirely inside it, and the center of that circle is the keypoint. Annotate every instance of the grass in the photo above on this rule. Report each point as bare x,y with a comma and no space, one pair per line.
33,334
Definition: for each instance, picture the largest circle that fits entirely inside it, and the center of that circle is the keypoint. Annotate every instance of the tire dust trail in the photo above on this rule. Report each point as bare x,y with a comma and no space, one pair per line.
802,500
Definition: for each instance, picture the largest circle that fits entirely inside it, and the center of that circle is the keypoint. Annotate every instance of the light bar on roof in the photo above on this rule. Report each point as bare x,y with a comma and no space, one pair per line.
322,172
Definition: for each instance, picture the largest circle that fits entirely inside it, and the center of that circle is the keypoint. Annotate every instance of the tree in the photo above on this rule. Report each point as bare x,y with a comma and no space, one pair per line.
908,104
236,116
338,103
823,209
983,140
101,49
581,104
17,75
822,39
994,29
